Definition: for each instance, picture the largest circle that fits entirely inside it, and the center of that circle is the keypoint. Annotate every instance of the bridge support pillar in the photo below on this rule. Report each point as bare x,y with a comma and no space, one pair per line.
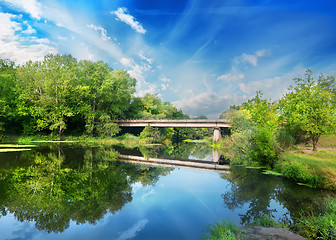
217,134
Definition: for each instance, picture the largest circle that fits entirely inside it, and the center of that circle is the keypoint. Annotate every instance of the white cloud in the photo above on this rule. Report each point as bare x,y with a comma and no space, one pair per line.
17,48
123,16
29,30
208,103
229,77
101,30
253,58
134,230
33,7
272,88
143,57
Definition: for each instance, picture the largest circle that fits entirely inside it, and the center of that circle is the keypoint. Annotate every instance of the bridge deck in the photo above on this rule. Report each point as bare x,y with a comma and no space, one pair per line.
184,123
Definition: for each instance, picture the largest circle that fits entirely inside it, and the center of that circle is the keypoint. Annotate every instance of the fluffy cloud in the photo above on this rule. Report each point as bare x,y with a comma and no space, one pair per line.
208,103
18,48
253,58
272,88
123,16
101,30
133,230
229,77
33,7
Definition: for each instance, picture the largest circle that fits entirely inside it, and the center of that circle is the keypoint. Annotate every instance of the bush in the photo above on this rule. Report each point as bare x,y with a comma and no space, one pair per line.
263,148
285,138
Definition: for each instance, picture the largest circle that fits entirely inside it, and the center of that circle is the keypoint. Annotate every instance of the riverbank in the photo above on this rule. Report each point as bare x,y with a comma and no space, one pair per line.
316,169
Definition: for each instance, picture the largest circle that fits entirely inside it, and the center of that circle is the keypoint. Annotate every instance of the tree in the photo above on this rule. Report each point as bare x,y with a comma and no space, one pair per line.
310,106
106,94
152,107
8,94
45,89
253,133
149,134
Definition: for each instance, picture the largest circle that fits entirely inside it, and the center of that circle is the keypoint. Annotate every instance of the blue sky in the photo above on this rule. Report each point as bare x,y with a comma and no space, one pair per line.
202,56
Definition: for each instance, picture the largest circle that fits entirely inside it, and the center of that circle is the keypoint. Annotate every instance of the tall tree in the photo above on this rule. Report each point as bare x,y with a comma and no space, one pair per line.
106,95
310,106
8,93
44,92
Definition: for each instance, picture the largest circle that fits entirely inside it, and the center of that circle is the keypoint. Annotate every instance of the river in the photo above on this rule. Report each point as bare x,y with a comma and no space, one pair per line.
80,191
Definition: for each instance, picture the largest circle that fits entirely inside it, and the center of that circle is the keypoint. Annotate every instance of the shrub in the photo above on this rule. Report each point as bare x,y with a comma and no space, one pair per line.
285,138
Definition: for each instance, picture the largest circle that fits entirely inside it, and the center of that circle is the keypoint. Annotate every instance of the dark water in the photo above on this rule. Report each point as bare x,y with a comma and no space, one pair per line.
68,191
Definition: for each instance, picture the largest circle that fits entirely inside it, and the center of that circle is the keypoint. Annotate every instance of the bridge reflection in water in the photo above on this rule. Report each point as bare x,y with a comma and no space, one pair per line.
216,124
180,163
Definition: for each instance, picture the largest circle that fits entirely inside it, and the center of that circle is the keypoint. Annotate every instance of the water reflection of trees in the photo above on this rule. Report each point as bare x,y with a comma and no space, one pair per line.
257,191
181,150
71,184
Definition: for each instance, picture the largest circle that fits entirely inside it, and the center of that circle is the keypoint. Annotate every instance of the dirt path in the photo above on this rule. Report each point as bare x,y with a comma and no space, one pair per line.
264,233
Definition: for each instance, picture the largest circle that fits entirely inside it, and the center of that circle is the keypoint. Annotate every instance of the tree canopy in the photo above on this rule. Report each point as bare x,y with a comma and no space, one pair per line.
61,94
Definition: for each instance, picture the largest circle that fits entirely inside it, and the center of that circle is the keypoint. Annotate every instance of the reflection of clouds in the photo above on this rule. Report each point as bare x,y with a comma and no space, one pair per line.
136,186
132,231
148,193
27,232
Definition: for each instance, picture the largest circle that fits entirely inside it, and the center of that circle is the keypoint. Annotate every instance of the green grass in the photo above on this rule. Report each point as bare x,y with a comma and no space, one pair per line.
267,221
327,141
223,230
322,226
317,170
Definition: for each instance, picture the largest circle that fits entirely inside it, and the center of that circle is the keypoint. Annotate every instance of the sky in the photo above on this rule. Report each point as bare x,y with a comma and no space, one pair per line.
202,56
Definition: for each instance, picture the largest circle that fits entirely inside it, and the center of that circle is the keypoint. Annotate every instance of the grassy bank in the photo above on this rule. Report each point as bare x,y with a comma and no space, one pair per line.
317,170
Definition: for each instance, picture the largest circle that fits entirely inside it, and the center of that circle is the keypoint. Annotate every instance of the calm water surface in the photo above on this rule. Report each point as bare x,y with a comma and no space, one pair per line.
68,191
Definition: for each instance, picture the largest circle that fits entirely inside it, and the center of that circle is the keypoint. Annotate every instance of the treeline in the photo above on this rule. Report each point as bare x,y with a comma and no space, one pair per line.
262,129
61,94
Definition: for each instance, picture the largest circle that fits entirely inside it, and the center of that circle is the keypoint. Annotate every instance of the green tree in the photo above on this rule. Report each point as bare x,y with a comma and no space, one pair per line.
8,95
45,89
107,94
253,133
150,134
152,107
310,106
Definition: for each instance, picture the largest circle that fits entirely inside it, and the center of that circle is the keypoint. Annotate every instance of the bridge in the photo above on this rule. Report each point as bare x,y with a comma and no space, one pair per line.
216,124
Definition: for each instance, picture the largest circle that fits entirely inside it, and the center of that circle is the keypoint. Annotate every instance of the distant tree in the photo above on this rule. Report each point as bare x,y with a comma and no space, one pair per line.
152,107
229,113
201,117
310,106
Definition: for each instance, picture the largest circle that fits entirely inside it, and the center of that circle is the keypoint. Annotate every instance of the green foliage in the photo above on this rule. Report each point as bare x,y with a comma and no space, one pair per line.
267,221
223,230
263,148
152,107
149,134
60,93
310,107
322,226
252,136
106,128
300,171
285,138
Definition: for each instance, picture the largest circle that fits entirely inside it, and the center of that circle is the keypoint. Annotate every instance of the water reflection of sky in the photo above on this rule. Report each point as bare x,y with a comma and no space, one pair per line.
178,206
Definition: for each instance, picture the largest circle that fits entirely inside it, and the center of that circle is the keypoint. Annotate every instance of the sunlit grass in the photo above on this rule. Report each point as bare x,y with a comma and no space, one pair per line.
317,169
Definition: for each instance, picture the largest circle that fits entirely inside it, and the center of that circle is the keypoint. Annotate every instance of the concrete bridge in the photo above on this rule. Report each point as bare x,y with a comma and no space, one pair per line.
216,124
